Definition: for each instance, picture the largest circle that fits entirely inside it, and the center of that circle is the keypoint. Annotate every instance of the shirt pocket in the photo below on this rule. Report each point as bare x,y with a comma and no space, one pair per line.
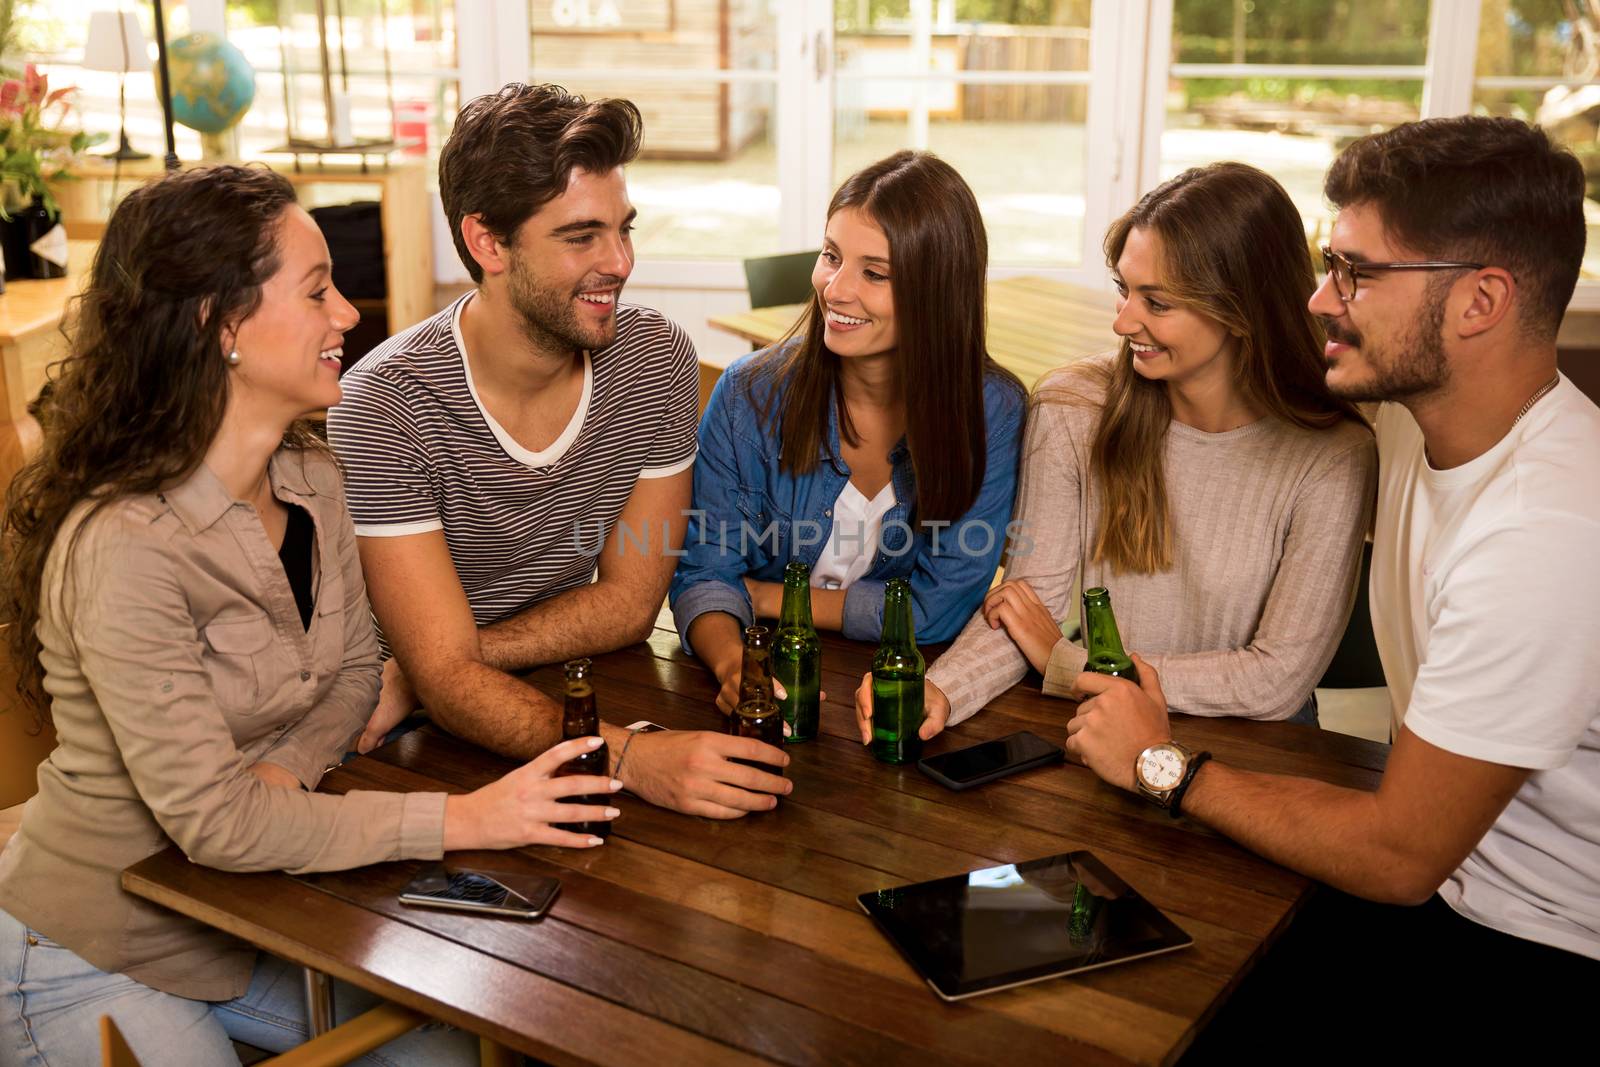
236,649
760,535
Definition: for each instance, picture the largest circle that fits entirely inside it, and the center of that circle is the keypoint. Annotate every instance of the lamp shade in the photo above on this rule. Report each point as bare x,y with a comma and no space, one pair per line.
116,42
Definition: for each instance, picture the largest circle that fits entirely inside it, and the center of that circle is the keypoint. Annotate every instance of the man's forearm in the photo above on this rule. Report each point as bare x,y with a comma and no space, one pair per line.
585,621
1326,832
491,708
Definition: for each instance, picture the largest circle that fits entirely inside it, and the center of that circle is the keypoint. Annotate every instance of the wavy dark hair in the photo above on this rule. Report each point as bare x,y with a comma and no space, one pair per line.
140,396
939,255
1234,249
511,152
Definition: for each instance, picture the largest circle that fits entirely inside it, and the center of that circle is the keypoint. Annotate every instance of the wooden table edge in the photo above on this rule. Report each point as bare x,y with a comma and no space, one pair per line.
266,939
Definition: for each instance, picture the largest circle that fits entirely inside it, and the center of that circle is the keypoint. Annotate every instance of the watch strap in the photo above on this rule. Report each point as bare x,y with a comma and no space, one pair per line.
1175,808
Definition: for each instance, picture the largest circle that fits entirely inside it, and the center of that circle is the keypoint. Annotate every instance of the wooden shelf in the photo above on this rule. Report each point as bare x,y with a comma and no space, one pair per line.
402,191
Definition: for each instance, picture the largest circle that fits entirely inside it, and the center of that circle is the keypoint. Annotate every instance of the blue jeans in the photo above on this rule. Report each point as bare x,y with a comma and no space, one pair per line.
51,1001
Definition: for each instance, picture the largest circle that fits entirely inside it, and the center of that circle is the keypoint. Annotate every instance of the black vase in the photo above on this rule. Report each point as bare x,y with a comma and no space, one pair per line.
20,233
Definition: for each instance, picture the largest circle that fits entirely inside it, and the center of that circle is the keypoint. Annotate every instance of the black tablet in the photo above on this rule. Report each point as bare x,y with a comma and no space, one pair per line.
1007,926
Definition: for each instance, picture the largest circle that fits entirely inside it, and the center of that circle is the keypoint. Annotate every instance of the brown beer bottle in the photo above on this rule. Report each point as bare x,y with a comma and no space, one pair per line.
581,718
757,714
755,676
762,720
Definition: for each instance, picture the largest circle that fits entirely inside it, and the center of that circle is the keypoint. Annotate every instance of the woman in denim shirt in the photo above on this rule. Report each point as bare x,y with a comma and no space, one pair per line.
880,442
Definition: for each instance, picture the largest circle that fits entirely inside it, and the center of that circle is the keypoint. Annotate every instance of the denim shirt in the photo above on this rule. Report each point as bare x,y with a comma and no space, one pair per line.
752,518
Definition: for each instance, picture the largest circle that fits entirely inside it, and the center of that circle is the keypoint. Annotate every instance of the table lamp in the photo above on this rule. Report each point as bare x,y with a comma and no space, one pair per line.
117,43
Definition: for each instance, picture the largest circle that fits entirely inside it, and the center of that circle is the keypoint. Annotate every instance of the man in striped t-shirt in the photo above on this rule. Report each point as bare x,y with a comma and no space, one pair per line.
519,465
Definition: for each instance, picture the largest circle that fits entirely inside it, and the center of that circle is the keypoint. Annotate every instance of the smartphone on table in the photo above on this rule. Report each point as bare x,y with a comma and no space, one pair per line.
483,892
986,761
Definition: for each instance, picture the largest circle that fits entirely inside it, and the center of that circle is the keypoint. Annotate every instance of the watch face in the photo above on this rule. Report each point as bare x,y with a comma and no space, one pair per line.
1161,767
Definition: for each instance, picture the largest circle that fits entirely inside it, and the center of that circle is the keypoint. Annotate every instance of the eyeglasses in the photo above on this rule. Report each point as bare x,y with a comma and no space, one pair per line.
1345,272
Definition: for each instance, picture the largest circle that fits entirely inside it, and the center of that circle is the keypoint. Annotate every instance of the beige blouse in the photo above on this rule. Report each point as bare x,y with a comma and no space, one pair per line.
175,658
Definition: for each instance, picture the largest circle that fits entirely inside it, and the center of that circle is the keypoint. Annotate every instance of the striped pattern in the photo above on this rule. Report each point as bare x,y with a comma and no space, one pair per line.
421,453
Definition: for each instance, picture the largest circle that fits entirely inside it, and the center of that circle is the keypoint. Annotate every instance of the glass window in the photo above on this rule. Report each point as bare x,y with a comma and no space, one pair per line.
421,71
1539,61
997,89
704,75
1285,86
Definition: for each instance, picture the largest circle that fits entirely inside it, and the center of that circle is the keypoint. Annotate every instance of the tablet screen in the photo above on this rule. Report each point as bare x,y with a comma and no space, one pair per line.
1004,926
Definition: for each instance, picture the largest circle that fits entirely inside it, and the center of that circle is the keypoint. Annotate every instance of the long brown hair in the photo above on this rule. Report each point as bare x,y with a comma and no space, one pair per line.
135,404
1234,249
939,257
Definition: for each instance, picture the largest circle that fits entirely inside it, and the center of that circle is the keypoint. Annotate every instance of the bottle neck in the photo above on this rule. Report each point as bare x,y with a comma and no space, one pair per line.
580,717
899,631
1103,638
796,611
755,674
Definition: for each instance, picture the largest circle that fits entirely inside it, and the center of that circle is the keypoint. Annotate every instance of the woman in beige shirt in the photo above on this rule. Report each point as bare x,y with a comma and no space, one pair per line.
187,604
1202,473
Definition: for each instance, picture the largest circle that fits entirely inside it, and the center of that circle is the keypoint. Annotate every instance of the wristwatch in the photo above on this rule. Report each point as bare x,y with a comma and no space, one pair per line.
1163,771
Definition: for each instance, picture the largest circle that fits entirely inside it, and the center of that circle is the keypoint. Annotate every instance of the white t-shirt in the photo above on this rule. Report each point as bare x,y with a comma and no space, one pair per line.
1486,609
853,542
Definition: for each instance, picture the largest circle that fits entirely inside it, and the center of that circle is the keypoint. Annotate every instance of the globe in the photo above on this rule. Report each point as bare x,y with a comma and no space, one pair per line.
212,84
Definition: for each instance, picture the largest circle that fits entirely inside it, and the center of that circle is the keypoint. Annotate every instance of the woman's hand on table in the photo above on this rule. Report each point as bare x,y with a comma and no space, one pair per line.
1015,605
396,701
690,771
520,808
1116,721
935,710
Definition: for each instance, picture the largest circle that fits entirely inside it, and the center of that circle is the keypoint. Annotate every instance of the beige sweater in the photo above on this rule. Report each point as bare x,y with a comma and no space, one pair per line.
1268,522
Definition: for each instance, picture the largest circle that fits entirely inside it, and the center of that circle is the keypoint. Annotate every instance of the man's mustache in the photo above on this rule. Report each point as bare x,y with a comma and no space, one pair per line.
1338,333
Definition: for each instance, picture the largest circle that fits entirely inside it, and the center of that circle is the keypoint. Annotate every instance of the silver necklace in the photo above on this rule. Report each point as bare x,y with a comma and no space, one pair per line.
1536,397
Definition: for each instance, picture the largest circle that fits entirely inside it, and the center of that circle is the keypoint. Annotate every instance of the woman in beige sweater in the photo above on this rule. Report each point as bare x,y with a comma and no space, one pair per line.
1202,473
187,606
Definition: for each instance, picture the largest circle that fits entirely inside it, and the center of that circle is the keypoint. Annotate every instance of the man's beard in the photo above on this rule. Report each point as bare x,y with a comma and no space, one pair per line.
549,318
1414,367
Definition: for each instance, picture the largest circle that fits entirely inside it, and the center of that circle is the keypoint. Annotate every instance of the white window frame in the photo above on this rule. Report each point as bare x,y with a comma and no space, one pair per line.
805,78
1127,78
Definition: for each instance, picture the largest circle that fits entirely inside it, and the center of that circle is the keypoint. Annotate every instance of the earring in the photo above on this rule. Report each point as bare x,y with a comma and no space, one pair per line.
232,358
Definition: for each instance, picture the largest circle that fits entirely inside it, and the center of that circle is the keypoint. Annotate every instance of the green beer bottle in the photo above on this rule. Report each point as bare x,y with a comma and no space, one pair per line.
1104,642
797,656
897,672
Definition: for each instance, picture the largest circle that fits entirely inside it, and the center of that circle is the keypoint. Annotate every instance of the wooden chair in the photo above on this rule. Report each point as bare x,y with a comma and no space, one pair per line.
342,1044
777,280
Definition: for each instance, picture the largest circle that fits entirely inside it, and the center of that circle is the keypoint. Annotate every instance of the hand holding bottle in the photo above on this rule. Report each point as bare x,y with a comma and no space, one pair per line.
935,710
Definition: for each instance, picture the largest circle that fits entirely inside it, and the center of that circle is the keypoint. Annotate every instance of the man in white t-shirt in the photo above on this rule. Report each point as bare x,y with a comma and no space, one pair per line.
1453,257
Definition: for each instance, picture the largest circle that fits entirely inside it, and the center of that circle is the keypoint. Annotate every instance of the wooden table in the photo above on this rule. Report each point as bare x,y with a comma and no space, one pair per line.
687,940
30,329
1035,325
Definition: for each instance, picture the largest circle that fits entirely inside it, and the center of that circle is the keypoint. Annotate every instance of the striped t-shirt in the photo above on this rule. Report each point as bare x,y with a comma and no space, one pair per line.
422,453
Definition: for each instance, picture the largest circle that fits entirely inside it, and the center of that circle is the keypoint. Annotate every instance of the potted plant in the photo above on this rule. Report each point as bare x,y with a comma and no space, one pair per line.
34,149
